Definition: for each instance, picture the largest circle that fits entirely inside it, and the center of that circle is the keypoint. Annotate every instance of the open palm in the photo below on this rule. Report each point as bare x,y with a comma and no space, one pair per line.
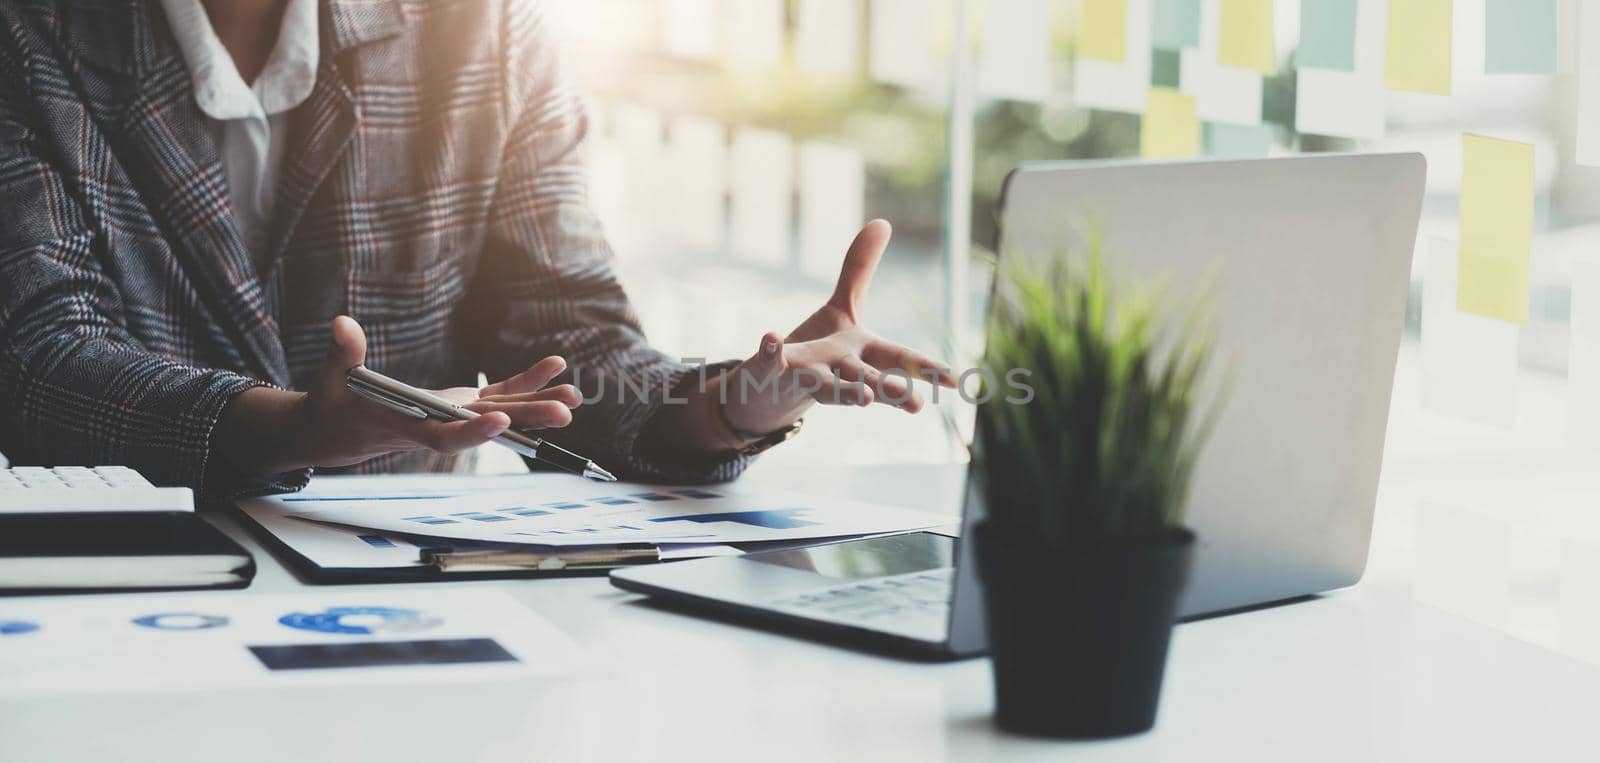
830,357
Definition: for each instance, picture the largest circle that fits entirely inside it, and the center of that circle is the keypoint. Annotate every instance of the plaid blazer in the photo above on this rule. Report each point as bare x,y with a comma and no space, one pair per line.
436,193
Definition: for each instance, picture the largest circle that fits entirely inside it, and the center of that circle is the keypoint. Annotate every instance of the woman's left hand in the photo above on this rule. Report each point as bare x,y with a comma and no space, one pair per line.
830,358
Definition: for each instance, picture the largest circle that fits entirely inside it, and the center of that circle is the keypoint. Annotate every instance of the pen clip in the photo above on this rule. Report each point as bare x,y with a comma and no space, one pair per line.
445,559
377,396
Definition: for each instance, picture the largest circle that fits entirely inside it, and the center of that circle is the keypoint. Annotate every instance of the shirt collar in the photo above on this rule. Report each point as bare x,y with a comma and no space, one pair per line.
285,81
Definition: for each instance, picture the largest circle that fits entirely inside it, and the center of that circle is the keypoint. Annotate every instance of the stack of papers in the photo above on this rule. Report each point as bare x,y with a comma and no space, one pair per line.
382,523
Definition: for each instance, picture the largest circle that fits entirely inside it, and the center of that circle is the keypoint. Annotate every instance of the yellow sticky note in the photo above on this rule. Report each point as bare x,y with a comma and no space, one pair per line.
1419,46
1245,36
1496,228
1170,128
1103,30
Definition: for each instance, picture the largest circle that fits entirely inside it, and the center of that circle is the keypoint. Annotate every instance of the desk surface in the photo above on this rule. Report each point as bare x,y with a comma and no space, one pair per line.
1362,674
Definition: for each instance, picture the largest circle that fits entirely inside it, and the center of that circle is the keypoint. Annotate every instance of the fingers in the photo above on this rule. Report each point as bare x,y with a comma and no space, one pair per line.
832,372
891,389
456,436
895,390
830,389
860,262
536,414
919,365
565,394
349,347
531,380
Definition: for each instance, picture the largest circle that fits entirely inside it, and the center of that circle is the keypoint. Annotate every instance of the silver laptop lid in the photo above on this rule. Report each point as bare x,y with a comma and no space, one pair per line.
1308,263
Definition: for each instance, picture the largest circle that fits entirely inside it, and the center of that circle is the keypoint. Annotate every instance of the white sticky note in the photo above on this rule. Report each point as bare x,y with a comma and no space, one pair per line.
762,164
638,131
1579,605
1468,55
1469,362
689,28
1583,359
1221,93
1463,562
572,21
1123,86
1348,104
827,37
1286,28
755,33
1015,59
598,112
1588,132
903,45
833,190
697,151
608,192
662,312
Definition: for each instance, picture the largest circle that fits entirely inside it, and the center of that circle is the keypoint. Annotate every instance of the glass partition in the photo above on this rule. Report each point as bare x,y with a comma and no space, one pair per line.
737,144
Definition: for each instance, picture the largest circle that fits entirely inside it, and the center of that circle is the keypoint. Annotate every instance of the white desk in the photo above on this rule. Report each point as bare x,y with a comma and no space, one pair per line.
1363,674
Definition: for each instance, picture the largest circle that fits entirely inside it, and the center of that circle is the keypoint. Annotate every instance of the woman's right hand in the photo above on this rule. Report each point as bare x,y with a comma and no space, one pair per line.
268,431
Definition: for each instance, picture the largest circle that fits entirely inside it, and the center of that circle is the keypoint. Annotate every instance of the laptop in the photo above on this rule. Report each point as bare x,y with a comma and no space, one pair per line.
1307,262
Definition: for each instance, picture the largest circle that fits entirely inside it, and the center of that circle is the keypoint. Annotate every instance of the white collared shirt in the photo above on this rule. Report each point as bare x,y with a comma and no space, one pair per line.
249,122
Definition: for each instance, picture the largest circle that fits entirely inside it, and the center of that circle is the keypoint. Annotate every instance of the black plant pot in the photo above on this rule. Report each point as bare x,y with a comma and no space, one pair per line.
1079,637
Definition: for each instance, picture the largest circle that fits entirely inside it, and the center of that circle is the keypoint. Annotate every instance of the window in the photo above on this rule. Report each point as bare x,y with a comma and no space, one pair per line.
736,149
738,144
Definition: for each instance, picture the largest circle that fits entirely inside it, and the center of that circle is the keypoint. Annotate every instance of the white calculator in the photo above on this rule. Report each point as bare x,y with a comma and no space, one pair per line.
31,489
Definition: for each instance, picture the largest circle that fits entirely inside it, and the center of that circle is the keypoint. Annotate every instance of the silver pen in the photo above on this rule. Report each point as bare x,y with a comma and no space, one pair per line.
421,404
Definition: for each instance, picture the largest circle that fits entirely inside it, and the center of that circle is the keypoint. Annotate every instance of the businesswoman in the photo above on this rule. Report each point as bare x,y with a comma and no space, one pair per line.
214,208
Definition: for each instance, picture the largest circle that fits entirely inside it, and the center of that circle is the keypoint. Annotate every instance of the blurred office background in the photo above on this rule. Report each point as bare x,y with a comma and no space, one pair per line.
737,145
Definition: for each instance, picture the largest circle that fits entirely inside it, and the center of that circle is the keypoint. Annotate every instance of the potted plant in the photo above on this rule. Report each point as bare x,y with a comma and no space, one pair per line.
1083,554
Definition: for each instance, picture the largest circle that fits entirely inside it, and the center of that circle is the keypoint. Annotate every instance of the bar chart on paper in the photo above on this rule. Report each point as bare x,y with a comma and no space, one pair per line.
351,550
580,513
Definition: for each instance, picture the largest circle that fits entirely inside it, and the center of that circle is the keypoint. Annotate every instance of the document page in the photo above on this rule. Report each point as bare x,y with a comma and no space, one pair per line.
577,512
347,547
147,643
